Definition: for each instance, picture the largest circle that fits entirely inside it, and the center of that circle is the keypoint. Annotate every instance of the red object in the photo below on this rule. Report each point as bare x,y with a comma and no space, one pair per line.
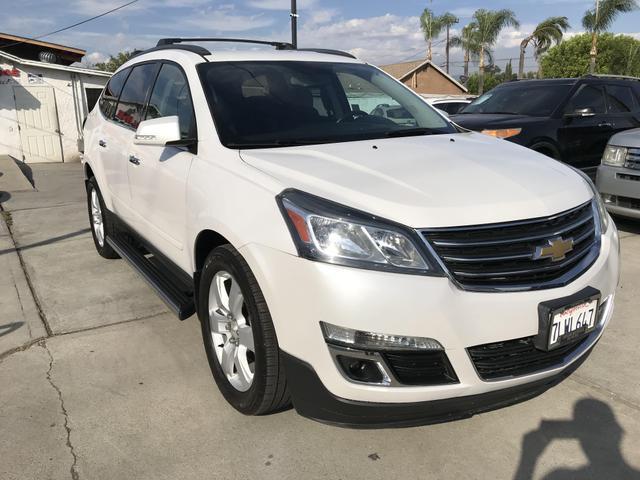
10,72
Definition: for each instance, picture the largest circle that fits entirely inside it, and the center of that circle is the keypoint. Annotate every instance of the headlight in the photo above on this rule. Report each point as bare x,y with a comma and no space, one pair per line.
503,132
614,156
329,232
600,210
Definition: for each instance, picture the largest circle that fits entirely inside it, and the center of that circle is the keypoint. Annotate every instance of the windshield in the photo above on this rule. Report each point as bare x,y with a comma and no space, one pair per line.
271,104
525,99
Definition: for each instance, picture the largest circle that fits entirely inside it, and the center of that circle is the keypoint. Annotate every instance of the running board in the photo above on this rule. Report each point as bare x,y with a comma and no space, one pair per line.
177,295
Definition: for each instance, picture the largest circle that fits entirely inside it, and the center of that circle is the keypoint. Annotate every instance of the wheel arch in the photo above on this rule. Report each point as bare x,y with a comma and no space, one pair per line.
547,147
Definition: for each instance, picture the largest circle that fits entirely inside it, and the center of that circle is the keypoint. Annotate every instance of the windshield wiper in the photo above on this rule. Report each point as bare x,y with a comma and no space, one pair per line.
409,132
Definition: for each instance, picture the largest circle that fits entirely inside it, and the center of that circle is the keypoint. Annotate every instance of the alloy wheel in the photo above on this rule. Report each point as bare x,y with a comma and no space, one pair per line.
231,331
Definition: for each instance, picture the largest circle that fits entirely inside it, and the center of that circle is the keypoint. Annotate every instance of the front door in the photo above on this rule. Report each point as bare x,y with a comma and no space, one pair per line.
158,174
38,124
584,136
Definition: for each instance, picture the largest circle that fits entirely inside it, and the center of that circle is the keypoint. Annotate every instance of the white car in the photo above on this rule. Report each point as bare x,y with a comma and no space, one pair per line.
449,105
370,273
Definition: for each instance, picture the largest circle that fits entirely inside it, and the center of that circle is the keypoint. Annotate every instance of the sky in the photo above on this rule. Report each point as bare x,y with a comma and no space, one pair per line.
378,31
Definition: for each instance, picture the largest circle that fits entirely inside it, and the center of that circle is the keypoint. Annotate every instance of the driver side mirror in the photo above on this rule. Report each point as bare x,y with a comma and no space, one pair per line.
158,131
582,112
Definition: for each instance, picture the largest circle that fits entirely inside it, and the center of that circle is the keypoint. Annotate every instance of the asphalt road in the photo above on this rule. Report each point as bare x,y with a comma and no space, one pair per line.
98,381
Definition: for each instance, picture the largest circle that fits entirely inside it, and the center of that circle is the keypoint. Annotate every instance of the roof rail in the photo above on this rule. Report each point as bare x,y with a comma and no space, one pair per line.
606,75
172,41
189,48
327,51
165,43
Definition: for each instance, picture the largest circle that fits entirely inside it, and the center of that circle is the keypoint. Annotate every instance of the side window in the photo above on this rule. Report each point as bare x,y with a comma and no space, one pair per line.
112,92
170,97
589,96
620,99
134,95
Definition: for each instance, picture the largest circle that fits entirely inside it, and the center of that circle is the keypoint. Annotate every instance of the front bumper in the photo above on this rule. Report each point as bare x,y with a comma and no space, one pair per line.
302,293
620,188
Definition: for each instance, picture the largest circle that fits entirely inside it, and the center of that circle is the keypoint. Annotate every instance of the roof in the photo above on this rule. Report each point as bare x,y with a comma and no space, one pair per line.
40,43
32,49
53,66
243,55
402,70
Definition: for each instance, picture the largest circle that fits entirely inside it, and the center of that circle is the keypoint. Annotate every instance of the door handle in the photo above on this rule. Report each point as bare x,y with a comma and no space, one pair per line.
102,143
605,125
133,159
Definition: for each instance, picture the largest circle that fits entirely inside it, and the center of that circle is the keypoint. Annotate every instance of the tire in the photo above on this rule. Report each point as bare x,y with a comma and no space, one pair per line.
100,220
252,381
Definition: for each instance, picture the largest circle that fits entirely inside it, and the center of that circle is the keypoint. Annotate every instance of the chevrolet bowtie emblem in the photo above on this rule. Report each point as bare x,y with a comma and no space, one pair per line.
555,249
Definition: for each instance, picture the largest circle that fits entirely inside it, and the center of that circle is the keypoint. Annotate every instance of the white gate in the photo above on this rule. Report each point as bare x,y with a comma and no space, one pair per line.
38,124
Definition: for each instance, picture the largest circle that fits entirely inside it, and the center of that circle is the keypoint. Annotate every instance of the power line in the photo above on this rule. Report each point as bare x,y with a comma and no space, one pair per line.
38,37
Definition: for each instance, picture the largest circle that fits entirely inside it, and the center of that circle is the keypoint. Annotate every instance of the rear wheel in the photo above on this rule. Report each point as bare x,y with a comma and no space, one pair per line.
101,225
239,336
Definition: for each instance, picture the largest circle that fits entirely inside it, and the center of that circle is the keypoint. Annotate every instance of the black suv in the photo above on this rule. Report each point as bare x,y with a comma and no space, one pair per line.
567,119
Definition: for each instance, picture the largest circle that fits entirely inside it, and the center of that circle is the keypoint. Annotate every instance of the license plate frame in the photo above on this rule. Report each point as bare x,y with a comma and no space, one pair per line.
548,310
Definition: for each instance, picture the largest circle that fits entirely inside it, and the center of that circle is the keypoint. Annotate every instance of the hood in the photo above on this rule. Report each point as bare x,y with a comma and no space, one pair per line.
429,181
480,121
628,138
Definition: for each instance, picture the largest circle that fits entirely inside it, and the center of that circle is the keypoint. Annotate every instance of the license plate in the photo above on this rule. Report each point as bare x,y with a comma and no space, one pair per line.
572,322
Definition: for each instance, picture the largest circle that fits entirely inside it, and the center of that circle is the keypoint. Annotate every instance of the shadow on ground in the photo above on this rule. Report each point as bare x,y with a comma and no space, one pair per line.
7,328
49,241
596,428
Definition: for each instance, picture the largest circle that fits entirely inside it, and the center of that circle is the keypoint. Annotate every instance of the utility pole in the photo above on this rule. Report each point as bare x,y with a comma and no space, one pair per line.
294,24
594,41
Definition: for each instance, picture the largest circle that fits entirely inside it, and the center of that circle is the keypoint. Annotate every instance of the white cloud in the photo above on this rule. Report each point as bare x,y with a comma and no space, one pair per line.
280,4
94,57
384,39
219,20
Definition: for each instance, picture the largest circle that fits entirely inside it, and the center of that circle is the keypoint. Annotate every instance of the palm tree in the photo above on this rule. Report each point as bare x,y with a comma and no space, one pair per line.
431,27
489,25
448,20
468,42
547,33
600,19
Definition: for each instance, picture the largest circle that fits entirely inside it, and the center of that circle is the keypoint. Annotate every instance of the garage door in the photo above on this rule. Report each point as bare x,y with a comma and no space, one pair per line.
38,123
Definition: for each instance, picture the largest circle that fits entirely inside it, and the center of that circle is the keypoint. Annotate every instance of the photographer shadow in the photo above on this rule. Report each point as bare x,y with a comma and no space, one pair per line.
595,426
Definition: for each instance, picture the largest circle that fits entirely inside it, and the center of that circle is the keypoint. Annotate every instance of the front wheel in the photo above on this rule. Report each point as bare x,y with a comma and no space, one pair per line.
239,336
101,225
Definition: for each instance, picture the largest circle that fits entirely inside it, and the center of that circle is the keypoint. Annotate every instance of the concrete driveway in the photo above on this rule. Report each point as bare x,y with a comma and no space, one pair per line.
98,381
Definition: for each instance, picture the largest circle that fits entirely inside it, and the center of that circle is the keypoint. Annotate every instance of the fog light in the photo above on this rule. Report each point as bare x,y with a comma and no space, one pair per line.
376,341
608,199
361,370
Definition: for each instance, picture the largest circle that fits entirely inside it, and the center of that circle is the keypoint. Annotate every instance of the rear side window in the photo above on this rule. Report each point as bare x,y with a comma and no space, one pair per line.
171,97
112,92
620,99
589,96
134,95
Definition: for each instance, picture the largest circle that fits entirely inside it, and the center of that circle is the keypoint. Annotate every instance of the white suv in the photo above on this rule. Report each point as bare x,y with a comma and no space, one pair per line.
369,272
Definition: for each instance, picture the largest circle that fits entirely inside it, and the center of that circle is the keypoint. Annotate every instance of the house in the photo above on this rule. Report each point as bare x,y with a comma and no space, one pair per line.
44,99
426,78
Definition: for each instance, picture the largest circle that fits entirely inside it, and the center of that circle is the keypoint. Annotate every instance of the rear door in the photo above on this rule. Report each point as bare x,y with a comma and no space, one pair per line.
584,137
622,106
158,176
104,146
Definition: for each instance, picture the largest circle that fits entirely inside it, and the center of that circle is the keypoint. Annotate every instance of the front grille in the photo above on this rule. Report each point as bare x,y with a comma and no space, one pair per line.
633,159
421,368
501,256
516,357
